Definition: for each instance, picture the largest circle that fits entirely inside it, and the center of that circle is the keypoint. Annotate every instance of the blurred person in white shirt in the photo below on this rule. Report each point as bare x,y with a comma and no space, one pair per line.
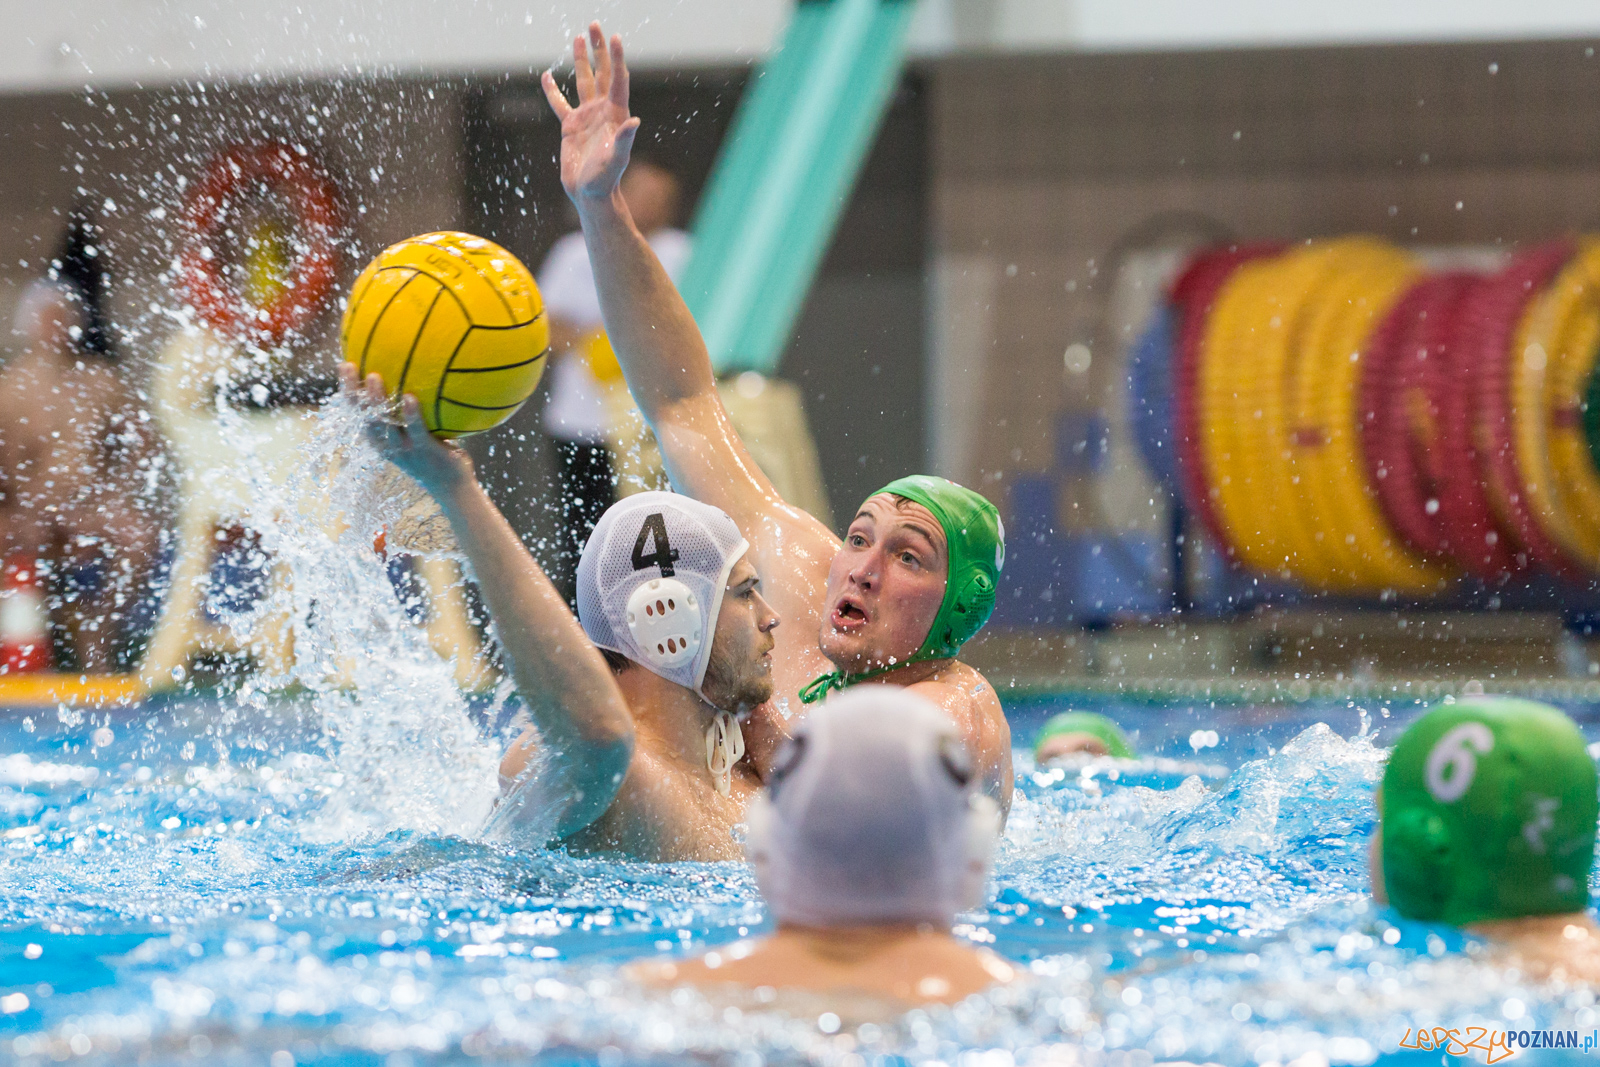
576,414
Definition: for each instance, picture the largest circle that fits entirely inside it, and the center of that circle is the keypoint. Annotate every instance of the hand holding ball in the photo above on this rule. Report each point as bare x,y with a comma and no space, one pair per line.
454,320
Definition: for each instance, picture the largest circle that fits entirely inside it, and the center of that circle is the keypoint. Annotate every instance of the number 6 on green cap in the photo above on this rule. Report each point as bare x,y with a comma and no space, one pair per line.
1488,812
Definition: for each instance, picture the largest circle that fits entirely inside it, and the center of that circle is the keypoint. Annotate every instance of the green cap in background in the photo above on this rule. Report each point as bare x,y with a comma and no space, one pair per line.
1087,722
1488,812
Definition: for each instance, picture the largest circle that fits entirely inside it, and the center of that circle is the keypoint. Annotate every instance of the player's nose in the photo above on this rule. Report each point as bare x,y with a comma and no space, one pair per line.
865,572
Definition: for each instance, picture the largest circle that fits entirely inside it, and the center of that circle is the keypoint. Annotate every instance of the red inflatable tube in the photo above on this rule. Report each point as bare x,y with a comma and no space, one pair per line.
1406,365
1493,431
247,172
1481,540
1192,295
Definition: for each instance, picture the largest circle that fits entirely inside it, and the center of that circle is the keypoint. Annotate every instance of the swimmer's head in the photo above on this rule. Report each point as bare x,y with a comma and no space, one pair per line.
1081,732
65,312
915,577
664,581
51,317
870,817
1487,811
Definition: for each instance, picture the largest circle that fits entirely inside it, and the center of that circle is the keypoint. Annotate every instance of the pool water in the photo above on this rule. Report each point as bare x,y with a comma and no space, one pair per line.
174,891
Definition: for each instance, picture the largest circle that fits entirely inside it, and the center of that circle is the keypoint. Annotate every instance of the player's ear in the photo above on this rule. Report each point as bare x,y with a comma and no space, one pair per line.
982,831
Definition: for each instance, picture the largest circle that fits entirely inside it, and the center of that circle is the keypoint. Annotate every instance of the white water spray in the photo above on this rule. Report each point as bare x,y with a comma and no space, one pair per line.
402,749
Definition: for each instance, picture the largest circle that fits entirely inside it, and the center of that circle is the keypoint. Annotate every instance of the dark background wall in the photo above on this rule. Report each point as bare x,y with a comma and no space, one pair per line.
416,155
392,146
513,195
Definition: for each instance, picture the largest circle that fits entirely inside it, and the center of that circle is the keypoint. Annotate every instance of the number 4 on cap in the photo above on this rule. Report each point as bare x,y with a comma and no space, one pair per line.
654,529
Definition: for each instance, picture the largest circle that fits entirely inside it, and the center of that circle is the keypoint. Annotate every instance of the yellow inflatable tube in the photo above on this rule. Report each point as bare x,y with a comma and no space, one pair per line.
1230,336
1292,310
1356,537
1553,355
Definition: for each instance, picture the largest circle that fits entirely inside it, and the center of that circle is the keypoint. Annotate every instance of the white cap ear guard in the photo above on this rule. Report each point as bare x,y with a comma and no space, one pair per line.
651,579
666,621
871,817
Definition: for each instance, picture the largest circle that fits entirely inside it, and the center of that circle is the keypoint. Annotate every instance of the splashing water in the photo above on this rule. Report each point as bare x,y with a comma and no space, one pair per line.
399,750
297,868
420,757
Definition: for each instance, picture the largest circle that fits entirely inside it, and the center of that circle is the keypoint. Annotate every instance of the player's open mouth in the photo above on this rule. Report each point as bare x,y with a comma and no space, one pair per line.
848,615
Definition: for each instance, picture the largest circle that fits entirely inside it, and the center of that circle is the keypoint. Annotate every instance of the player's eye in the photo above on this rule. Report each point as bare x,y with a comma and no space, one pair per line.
857,541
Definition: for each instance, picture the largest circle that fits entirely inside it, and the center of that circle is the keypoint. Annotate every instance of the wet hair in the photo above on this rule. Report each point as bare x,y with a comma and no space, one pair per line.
80,266
616,661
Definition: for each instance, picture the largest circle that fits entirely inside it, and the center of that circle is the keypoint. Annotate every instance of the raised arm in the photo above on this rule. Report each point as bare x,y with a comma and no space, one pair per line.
585,731
656,340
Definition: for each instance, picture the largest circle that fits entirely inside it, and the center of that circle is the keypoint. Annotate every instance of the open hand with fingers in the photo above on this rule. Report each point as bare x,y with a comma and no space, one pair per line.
439,466
597,135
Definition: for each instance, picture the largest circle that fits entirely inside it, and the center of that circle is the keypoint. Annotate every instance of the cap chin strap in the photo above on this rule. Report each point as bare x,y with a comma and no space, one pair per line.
724,748
819,687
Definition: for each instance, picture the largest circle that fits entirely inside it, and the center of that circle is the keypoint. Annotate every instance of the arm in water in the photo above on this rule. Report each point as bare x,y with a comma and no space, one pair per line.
666,364
583,728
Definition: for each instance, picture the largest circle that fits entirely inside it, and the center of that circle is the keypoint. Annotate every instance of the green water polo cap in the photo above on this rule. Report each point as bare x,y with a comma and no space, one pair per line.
976,541
1488,812
1087,722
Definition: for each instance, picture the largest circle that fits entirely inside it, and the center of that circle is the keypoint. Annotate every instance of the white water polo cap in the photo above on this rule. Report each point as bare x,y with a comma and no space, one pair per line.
870,816
651,579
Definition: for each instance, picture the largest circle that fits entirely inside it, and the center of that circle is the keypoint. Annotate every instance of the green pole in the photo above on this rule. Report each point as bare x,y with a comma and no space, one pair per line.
740,167
835,166
779,187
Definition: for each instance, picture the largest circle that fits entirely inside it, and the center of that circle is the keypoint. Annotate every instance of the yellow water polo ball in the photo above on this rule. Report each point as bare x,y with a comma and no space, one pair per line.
454,320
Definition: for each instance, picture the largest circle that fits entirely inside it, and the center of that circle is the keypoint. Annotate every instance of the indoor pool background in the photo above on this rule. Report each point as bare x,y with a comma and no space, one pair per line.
246,876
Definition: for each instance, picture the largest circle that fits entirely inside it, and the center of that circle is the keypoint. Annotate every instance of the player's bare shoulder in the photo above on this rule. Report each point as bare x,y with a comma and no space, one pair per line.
964,692
972,704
